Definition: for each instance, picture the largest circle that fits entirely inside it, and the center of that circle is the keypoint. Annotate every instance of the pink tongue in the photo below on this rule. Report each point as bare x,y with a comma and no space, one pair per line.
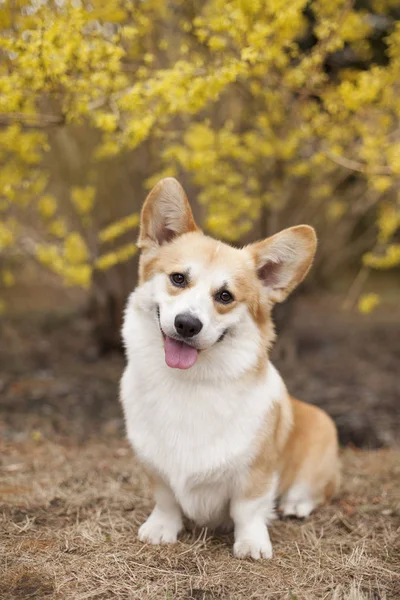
179,355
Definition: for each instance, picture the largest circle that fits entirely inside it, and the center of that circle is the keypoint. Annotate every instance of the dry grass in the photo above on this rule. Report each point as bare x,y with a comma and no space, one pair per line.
69,519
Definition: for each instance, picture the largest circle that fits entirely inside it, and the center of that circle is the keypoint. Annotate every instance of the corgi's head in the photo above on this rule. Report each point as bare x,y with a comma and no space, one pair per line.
211,302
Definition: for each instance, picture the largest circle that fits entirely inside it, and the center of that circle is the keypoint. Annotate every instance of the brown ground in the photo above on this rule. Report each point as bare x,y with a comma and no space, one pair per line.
71,496
70,516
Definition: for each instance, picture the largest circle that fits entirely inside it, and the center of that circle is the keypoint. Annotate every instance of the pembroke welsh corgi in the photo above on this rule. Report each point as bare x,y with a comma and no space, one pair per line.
207,414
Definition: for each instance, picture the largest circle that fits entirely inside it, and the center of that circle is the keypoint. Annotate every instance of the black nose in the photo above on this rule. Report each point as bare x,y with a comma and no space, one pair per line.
187,326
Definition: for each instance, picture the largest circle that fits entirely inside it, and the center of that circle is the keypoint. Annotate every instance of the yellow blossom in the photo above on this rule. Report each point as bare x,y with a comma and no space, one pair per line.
119,228
368,302
83,199
58,228
388,260
75,249
336,210
118,256
106,121
7,278
6,236
79,275
47,206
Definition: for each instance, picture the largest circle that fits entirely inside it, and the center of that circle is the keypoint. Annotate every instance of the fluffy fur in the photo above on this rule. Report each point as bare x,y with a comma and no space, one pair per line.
222,441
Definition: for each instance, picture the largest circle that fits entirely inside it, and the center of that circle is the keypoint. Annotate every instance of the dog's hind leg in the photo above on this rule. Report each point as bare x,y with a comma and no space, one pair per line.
298,501
309,473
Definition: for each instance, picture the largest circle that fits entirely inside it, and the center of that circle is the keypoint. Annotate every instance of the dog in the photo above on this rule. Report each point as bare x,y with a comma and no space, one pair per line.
206,412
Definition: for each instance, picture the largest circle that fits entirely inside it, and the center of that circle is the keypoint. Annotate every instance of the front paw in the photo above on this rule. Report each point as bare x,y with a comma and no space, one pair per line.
158,531
253,548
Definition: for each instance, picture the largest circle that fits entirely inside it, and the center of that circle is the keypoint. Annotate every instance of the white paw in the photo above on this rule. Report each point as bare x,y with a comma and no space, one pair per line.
158,531
253,548
299,508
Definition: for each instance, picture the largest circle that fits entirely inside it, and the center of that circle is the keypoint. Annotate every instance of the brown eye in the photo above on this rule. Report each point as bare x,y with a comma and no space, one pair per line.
224,297
178,279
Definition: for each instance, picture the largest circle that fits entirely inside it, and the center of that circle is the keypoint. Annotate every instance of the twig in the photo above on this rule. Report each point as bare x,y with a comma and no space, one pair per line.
32,120
354,165
356,288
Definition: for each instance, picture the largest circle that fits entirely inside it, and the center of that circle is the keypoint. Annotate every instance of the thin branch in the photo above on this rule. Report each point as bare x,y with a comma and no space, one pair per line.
32,120
356,288
355,165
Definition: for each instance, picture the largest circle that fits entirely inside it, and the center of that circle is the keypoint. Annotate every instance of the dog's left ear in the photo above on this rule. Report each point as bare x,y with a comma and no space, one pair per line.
166,214
283,260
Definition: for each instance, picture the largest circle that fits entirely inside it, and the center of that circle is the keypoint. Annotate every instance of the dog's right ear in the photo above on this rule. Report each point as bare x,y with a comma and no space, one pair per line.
166,214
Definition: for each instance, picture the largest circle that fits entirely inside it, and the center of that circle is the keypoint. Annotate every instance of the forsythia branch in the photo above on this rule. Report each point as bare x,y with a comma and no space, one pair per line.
34,121
355,165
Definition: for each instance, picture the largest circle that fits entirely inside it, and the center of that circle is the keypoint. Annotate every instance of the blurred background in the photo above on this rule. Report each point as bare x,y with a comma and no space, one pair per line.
271,114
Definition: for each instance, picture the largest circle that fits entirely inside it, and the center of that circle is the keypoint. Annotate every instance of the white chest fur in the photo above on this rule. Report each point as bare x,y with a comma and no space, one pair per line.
200,436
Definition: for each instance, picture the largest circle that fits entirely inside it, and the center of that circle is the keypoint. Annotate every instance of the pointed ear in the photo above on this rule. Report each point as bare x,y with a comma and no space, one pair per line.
283,260
166,214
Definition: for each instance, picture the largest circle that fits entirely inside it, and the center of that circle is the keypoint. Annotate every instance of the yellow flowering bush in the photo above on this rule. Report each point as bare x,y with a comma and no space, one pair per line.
276,112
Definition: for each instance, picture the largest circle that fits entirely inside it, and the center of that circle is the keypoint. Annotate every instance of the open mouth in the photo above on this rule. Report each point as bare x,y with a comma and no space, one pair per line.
178,354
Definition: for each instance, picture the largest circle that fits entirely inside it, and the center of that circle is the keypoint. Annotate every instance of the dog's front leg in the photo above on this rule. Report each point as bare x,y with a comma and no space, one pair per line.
165,522
250,516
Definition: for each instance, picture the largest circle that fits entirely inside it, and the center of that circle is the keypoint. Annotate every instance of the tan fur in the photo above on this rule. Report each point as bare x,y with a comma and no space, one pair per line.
166,214
174,290
311,452
166,207
261,367
265,461
147,268
300,442
295,249
171,258
223,309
